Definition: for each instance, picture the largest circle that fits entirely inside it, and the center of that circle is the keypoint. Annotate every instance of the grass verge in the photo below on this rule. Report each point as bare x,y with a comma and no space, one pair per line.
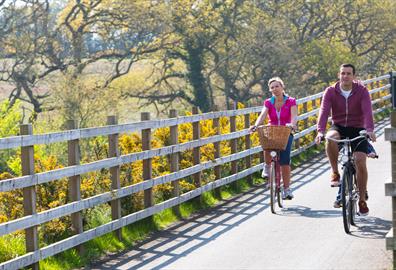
132,234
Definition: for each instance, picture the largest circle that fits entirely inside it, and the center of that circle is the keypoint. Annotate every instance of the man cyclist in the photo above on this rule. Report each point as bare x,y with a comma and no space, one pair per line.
350,105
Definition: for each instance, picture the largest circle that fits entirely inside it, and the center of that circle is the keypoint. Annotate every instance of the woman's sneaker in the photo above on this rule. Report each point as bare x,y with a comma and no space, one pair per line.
287,194
265,173
337,204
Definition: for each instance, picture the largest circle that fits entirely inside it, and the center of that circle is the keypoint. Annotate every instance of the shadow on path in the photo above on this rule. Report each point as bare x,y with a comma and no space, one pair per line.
167,246
303,211
372,228
188,235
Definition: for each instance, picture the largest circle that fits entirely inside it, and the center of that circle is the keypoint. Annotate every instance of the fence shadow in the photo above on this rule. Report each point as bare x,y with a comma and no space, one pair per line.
188,235
167,246
303,211
372,227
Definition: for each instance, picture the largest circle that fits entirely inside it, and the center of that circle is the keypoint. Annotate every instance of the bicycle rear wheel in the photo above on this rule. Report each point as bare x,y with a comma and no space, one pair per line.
272,185
279,195
346,197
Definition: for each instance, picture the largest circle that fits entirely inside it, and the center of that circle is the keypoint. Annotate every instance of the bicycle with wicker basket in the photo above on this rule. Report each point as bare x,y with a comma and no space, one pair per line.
274,139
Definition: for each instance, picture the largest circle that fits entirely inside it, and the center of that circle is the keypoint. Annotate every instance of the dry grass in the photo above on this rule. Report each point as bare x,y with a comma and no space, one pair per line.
5,90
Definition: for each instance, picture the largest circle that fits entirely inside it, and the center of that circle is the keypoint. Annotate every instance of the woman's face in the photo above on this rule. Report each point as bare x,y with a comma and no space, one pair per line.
276,88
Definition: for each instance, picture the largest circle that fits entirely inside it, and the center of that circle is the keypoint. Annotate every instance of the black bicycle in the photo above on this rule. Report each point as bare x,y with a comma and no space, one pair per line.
349,189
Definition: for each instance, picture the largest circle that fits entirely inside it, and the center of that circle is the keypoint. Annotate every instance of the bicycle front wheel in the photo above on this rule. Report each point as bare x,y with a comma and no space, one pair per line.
347,203
354,200
278,185
272,184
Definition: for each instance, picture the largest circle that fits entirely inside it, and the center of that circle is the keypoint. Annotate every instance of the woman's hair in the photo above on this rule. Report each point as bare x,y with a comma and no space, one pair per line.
276,79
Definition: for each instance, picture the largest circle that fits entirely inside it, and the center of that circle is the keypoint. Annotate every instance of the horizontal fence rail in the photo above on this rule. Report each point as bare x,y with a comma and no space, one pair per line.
380,101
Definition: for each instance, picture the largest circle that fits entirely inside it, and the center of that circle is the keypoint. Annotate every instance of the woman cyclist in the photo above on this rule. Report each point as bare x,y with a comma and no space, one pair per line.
282,111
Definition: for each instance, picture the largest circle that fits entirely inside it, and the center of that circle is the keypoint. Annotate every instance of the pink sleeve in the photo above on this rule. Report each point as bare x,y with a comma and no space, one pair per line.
293,102
267,103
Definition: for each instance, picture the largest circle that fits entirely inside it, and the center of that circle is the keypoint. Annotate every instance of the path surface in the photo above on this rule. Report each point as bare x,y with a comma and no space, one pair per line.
308,234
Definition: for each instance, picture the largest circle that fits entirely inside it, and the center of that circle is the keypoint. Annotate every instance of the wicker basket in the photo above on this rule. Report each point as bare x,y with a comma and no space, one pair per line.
273,137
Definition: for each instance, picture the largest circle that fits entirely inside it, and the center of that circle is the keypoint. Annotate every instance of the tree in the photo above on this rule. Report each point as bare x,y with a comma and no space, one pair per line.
23,44
192,36
39,43
370,33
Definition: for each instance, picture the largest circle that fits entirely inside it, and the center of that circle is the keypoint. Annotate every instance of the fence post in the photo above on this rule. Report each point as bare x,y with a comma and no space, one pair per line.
261,153
174,161
29,193
196,151
115,174
393,159
297,142
147,165
75,181
217,153
248,143
233,145
306,123
313,104
392,81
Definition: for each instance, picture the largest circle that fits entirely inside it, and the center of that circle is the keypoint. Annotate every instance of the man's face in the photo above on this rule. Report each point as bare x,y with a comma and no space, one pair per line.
346,75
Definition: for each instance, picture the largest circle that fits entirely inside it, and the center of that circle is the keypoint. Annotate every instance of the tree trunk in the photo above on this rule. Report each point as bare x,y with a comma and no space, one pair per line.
196,77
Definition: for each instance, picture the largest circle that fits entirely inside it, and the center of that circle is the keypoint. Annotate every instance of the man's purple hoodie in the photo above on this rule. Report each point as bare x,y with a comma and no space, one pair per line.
352,112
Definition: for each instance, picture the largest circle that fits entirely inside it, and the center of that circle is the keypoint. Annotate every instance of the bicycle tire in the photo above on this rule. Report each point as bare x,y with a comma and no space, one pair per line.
355,199
346,200
280,199
272,187
278,188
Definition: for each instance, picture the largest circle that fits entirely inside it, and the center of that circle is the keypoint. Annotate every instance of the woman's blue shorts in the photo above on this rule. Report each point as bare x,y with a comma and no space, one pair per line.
285,154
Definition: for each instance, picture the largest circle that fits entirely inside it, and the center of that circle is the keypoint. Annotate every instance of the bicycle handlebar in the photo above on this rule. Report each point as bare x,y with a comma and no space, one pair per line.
348,140
288,126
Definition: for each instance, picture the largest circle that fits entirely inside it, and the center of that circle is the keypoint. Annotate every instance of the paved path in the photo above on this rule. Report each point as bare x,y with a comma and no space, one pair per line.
308,234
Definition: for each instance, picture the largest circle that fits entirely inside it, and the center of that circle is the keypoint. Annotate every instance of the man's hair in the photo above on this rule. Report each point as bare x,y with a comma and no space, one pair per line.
276,79
349,65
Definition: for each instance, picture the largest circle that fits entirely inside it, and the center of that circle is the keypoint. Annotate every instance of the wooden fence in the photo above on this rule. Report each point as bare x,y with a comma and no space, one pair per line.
379,90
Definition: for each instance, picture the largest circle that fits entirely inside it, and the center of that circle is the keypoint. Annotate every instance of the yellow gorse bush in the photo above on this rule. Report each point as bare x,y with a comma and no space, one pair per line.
55,193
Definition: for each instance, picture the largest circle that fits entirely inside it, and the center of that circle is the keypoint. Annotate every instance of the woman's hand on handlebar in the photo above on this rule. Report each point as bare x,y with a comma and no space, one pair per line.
252,128
291,126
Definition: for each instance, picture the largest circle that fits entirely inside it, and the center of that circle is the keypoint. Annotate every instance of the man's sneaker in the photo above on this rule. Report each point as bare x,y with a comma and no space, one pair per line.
337,204
266,170
287,194
335,179
363,209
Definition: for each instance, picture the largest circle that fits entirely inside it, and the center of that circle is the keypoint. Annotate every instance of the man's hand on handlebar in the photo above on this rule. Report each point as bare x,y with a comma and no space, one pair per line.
372,136
319,138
